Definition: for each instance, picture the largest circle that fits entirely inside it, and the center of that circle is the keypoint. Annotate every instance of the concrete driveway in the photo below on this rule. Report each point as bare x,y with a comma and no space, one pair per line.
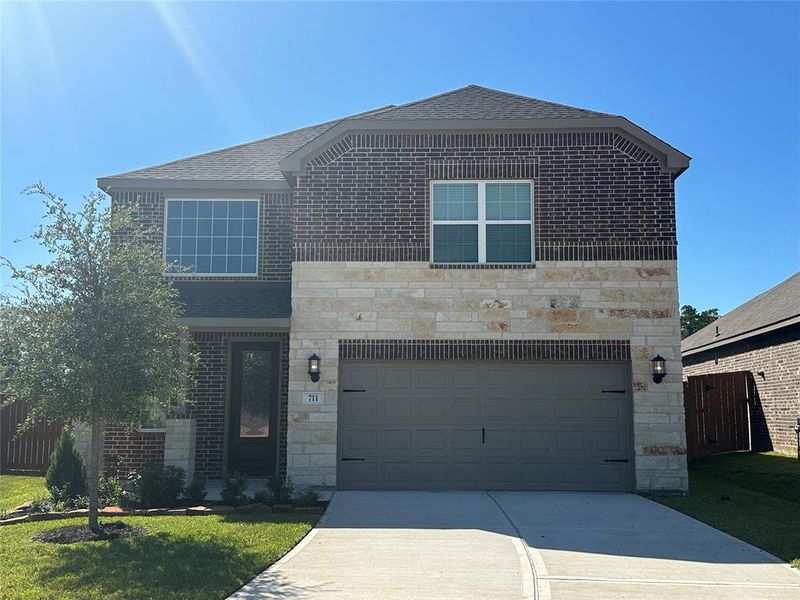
542,545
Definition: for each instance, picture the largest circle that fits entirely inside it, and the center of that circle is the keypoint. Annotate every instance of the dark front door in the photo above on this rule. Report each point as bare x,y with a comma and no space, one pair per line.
252,440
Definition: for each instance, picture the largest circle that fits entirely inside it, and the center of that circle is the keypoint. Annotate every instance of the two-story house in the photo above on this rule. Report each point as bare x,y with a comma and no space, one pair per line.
463,292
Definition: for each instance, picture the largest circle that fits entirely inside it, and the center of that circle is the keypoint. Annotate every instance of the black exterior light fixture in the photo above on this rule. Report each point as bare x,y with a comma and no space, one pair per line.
313,367
659,368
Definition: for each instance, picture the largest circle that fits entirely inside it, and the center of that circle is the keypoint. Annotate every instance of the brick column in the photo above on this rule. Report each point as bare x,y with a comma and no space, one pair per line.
179,445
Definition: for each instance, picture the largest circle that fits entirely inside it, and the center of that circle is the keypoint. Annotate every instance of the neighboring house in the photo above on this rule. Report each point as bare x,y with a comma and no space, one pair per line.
761,336
485,278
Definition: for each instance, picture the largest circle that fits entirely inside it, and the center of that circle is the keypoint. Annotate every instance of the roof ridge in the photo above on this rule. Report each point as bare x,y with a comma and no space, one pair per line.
440,95
332,122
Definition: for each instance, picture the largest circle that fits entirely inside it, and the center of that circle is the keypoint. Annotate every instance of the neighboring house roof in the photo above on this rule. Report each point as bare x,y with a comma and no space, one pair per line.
774,309
236,299
268,162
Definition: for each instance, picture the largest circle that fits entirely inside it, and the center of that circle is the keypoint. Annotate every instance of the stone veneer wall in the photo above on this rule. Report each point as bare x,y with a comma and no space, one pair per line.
610,300
776,405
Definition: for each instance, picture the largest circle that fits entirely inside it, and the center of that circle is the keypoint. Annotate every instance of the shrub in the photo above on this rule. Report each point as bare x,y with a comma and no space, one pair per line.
109,490
42,503
281,489
196,490
264,496
307,497
233,487
159,486
66,477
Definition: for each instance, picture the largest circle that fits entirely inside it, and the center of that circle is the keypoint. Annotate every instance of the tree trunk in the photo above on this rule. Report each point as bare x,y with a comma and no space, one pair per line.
95,449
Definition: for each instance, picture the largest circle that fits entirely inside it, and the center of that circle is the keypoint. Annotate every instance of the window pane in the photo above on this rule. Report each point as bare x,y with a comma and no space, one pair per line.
508,243
455,243
508,201
207,235
256,378
455,201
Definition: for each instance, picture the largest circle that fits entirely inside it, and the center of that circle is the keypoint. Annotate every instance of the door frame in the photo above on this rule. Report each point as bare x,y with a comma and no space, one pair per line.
278,344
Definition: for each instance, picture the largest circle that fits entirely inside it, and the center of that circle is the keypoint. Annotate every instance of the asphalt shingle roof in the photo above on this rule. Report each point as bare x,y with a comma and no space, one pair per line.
236,299
476,102
258,160
773,306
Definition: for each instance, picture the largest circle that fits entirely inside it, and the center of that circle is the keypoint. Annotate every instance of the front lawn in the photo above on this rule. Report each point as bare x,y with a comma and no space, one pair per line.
202,557
764,505
17,489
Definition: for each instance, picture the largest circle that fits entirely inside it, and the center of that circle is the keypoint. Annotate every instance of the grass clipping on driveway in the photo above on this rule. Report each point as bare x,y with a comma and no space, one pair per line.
764,505
202,557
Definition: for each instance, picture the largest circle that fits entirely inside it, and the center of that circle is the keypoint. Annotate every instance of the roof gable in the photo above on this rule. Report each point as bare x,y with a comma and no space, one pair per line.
778,306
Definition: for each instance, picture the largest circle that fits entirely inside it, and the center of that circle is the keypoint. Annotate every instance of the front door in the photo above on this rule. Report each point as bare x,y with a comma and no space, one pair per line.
252,434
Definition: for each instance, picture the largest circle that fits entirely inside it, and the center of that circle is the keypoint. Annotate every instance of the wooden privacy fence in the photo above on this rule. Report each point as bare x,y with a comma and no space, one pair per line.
28,451
717,413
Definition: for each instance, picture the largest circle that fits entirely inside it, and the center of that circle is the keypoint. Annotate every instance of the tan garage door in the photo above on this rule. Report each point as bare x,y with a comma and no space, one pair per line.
485,425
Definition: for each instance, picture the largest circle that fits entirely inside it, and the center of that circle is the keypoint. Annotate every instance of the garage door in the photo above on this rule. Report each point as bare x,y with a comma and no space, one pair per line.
485,425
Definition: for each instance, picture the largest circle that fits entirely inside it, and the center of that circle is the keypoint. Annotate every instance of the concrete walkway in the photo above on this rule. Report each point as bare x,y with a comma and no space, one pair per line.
504,545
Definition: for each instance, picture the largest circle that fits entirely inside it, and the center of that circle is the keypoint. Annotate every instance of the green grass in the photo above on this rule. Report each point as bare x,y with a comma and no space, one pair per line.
764,506
16,489
180,558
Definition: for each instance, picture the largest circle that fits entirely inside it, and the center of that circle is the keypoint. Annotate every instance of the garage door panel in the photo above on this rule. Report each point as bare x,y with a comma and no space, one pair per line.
429,378
361,408
465,439
398,439
547,426
464,408
397,408
501,408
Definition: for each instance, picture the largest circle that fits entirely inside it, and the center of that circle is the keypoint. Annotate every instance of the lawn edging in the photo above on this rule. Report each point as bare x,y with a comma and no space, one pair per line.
116,511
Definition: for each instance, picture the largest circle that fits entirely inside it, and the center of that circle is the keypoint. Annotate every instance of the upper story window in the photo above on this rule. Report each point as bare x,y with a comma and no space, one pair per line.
482,221
212,237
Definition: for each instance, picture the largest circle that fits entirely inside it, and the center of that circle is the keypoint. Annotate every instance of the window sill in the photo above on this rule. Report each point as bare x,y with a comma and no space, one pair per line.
482,265
151,430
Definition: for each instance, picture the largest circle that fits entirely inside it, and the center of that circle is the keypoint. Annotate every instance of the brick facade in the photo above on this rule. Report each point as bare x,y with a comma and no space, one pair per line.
129,450
275,243
209,398
776,393
597,196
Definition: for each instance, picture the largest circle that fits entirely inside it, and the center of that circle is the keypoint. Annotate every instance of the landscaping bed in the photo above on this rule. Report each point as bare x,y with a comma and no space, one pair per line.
180,558
755,497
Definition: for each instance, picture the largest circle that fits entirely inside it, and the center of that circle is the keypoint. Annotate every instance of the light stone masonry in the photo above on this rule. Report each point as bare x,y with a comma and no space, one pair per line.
634,300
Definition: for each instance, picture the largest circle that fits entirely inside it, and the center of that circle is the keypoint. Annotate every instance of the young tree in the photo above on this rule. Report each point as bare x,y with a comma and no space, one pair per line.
692,320
93,335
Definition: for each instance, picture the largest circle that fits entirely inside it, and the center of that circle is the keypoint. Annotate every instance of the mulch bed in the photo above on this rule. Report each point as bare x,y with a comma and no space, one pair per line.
81,533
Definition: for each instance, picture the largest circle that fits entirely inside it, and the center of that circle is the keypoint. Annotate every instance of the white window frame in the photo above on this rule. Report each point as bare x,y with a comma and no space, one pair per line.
481,222
187,274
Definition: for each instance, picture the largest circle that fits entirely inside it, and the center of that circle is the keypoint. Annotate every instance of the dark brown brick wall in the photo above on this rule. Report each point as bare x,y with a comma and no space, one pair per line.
129,450
777,393
593,192
275,243
209,397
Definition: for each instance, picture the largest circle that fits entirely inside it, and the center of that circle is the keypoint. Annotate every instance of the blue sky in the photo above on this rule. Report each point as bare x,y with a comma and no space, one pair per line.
91,89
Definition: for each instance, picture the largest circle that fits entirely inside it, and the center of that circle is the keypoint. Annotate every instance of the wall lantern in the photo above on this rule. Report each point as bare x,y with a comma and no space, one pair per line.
313,367
659,368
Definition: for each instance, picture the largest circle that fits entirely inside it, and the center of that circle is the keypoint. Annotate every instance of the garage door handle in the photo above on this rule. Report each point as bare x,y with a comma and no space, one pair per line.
616,460
613,391
350,459
483,435
354,390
